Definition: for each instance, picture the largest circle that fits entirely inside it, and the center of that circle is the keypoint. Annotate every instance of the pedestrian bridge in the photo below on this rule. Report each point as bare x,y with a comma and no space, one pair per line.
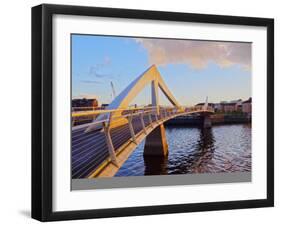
100,147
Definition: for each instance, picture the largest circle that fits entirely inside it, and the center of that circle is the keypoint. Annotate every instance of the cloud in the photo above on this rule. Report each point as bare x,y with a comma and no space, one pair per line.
99,69
197,53
91,82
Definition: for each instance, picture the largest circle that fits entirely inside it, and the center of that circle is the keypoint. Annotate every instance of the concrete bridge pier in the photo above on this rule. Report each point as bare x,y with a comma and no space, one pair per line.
156,143
207,122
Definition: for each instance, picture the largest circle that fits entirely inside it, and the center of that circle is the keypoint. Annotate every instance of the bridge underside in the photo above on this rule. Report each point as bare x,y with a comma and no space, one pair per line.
156,143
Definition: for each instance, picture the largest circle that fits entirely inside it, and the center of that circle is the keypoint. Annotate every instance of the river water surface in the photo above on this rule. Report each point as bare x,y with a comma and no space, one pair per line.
223,148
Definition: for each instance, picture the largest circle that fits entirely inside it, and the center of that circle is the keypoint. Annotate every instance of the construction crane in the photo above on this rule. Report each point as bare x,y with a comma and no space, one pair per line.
113,95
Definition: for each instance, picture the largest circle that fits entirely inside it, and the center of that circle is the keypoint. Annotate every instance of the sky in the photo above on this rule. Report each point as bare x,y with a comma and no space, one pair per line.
192,69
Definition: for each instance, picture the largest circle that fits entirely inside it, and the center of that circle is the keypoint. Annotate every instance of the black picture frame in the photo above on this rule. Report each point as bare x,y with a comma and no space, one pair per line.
42,107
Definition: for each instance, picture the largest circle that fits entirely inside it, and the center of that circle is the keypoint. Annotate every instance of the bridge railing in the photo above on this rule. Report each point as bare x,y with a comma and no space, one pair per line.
136,120
100,116
198,108
117,117
131,121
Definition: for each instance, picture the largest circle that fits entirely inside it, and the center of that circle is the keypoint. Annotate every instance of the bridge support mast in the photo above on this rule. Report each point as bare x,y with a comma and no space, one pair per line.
154,95
156,143
206,117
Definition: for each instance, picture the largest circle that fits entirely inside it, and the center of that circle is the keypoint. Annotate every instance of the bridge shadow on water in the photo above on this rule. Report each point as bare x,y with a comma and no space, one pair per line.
187,161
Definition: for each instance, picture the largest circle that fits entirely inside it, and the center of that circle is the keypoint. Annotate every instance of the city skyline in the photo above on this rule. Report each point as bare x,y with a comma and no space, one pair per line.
191,69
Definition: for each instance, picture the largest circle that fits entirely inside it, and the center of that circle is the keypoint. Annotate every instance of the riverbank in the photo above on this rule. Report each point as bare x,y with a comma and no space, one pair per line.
216,119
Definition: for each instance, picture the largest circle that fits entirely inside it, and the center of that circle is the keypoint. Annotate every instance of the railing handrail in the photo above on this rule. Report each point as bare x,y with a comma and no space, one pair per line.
109,117
97,112
114,118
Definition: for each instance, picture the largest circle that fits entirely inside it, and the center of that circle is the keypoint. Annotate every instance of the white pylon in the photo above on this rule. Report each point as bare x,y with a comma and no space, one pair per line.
206,104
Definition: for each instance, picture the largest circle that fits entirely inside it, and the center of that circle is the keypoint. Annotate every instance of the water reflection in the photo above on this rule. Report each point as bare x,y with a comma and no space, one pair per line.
225,148
196,158
204,151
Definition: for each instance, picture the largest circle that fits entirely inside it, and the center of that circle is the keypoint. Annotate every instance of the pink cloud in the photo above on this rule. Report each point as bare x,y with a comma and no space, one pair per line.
197,53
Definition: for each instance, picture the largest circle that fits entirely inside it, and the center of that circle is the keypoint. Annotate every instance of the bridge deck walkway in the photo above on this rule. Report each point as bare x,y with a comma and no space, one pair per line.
89,150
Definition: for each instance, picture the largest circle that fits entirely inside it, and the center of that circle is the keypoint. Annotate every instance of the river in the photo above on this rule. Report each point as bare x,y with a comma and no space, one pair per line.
223,148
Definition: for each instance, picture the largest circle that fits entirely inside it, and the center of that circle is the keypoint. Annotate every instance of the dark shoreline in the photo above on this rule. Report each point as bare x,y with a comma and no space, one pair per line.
218,119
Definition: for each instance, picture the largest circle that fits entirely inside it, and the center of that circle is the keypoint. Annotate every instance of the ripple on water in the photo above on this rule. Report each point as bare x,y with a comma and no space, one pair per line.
225,148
